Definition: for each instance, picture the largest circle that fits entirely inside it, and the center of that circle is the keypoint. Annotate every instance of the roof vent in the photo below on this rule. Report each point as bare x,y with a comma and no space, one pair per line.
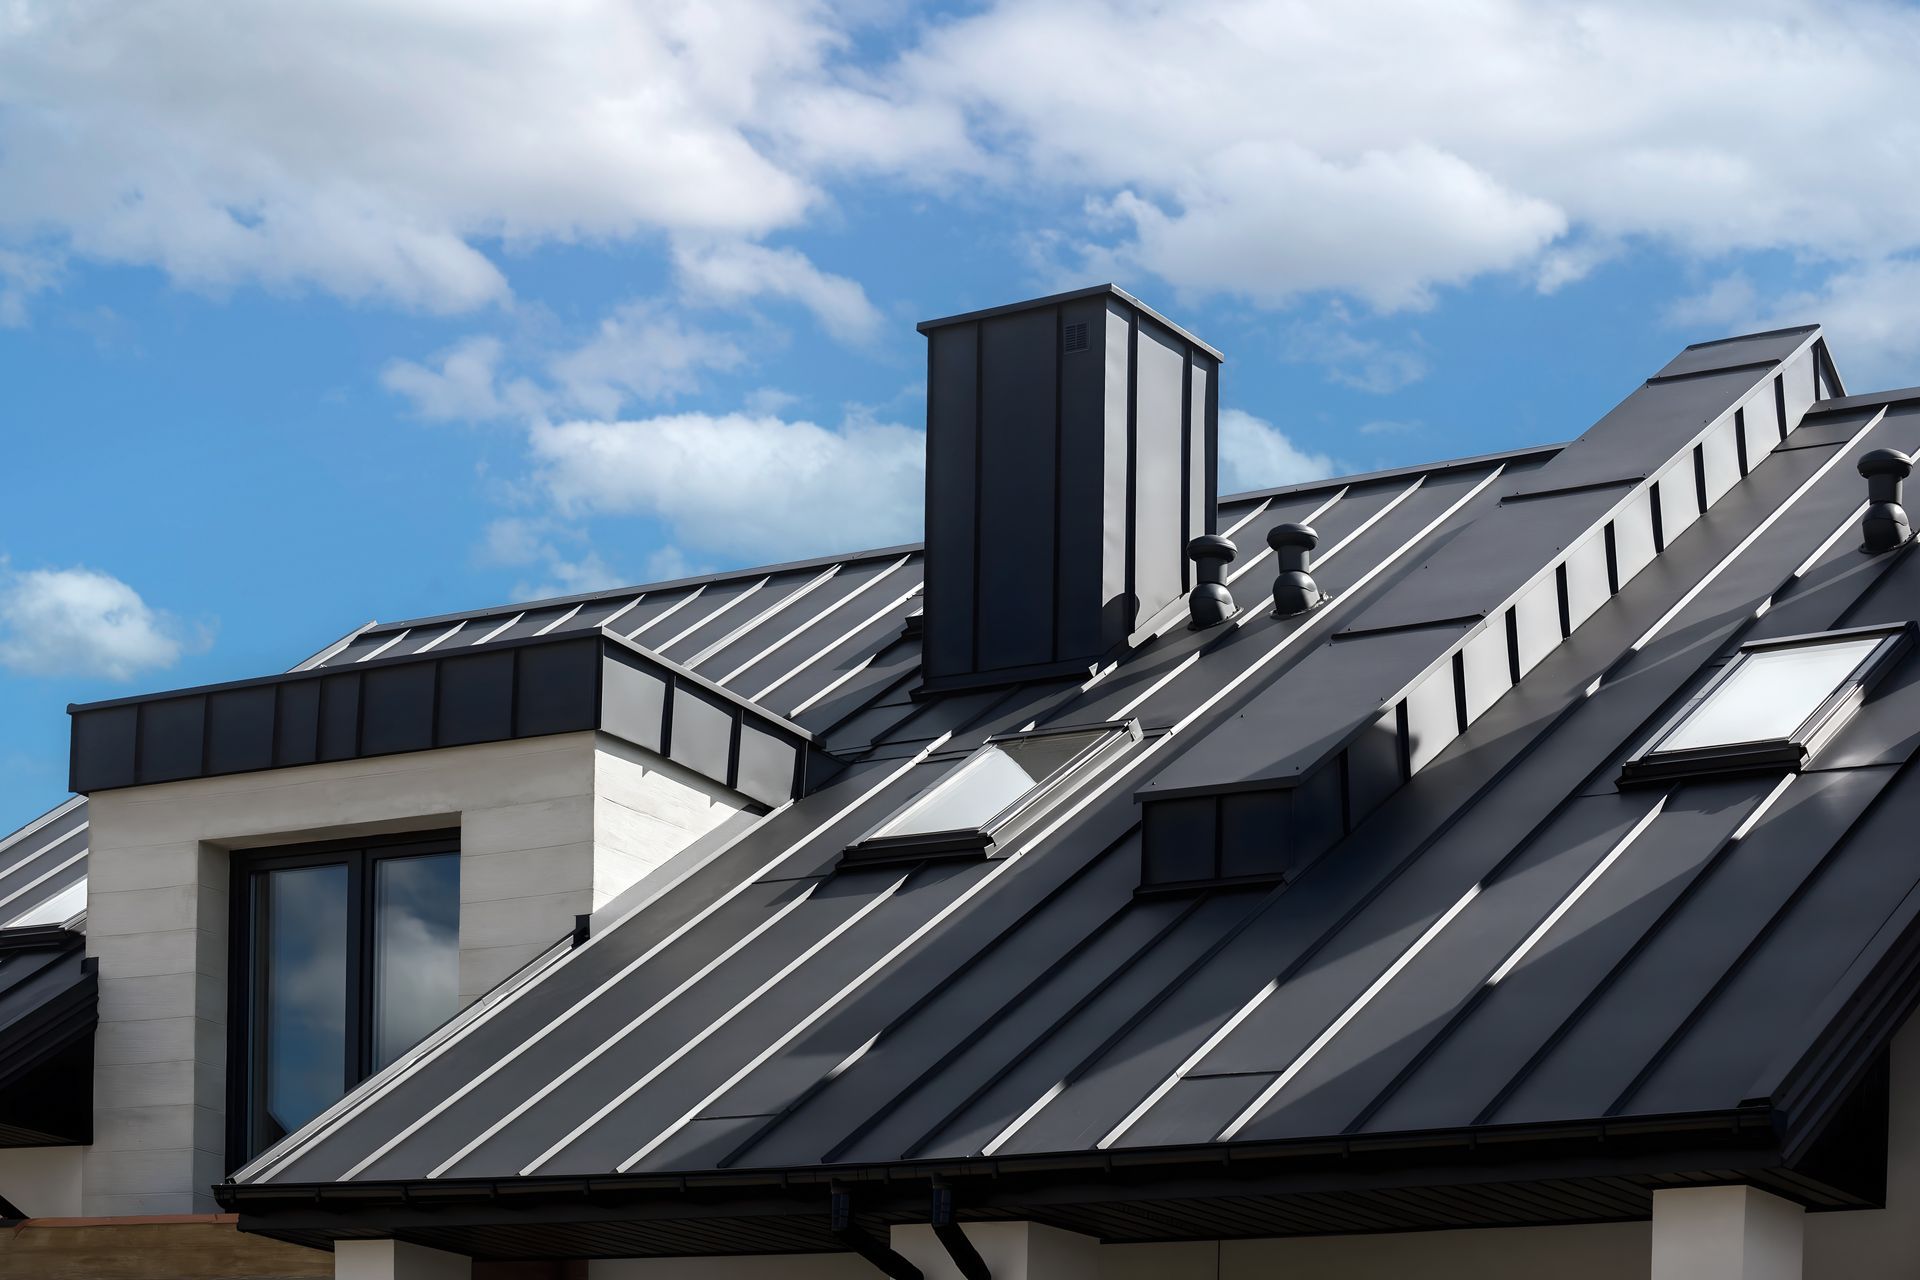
1074,336
1210,602
1294,590
1885,525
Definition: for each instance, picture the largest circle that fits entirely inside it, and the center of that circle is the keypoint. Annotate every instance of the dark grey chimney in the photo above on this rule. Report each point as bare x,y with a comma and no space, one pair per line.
1070,460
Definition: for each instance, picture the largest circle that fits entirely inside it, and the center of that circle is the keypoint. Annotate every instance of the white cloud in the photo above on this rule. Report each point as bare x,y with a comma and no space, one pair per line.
1255,454
641,351
557,552
21,276
750,486
1250,148
1266,149
1365,364
731,272
369,149
463,387
81,622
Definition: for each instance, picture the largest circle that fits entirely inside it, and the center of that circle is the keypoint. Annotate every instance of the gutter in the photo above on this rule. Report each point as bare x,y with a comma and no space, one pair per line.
1754,1128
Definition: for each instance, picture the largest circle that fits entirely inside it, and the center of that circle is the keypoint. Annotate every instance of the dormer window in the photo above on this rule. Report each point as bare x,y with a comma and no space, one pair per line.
1771,707
987,793
347,955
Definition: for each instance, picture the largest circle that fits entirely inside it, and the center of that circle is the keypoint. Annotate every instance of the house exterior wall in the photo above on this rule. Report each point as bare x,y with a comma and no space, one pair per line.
549,829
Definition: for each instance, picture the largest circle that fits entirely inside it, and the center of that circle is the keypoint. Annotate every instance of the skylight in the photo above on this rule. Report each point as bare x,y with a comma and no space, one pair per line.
983,794
1771,706
60,908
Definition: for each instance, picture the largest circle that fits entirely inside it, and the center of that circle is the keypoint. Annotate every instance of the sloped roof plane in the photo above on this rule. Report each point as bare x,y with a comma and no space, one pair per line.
1503,952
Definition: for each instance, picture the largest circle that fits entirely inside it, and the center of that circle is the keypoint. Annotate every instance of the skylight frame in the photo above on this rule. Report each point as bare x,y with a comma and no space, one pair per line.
876,848
1790,752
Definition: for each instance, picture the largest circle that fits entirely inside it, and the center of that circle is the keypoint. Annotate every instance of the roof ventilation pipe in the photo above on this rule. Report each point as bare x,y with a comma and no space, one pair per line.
1886,525
1210,602
1294,590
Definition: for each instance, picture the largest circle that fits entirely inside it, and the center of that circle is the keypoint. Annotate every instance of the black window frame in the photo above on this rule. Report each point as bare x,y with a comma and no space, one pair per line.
963,842
245,1049
1648,765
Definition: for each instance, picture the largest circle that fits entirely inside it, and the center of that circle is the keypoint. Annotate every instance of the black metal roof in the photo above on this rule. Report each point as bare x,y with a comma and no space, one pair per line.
1500,958
47,1014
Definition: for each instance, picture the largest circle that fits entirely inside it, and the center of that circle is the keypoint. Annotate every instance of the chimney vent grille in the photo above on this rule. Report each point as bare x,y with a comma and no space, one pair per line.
1075,336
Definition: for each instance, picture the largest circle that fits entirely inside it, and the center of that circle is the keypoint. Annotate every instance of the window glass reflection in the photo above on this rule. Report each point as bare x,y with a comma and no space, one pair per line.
991,781
304,991
416,950
1769,694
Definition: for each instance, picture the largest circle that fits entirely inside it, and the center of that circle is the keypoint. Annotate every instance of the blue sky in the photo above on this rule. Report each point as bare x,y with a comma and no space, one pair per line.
314,314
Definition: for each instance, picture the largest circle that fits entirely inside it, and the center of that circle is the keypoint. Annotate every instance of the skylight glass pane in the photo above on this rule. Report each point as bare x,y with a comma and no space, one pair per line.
992,780
1769,695
60,908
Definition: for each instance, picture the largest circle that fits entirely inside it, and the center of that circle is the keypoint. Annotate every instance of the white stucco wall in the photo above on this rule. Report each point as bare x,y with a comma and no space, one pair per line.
549,829
42,1182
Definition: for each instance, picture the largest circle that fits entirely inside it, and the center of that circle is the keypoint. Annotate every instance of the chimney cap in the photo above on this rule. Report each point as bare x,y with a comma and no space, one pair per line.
1211,546
1074,295
1291,533
1885,462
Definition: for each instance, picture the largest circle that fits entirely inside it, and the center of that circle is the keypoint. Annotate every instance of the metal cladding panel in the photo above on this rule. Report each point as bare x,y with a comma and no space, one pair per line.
1536,623
1486,671
587,1043
731,1043
1649,996
1160,528
1603,918
1585,571
774,621
766,766
1066,1049
172,738
1254,833
557,687
1757,348
240,730
701,736
1433,716
476,698
1759,427
397,709
1475,573
1720,460
1178,839
1799,388
1203,445
1830,428
1638,436
936,1066
1345,960
1679,490
30,880
1014,516
1633,545
1768,998
103,748
1293,724
633,701
296,730
339,717
704,648
1090,573
1035,932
